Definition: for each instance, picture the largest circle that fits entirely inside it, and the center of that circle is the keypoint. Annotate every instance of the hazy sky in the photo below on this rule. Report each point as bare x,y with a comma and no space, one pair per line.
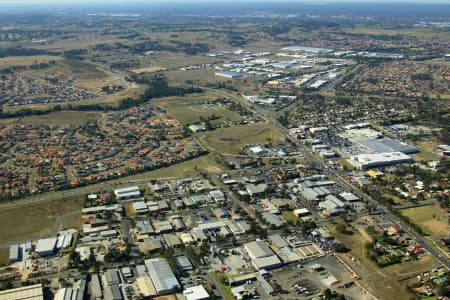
210,1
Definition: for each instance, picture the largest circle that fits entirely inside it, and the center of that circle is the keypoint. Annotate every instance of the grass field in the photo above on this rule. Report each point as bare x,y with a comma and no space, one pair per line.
189,109
71,221
33,220
9,61
431,218
231,140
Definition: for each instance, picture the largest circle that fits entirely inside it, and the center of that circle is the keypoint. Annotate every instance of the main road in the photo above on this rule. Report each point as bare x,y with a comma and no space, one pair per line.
426,244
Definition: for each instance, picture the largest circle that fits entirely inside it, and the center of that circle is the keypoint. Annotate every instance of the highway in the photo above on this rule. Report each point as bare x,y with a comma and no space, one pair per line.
427,245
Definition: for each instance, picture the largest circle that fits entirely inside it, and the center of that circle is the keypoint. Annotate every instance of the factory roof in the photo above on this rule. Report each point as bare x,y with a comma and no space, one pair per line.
46,245
229,74
162,276
258,249
32,292
196,293
387,145
365,161
146,286
112,277
278,241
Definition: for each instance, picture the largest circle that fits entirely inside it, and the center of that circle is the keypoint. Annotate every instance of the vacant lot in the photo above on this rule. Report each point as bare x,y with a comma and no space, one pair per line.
9,61
33,220
189,109
231,140
431,218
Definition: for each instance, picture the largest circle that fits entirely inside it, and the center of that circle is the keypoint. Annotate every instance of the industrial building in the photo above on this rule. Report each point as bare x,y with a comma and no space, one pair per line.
77,292
306,49
46,247
140,207
332,205
113,293
197,128
196,293
111,277
131,192
263,257
183,264
32,292
145,285
217,196
387,145
162,276
367,161
229,74
14,253
95,287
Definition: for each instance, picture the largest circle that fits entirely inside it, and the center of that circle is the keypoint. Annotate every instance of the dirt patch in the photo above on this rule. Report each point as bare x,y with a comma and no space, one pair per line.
436,226
147,70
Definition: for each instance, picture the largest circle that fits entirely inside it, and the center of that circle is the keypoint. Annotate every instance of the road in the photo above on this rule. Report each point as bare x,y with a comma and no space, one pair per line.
427,245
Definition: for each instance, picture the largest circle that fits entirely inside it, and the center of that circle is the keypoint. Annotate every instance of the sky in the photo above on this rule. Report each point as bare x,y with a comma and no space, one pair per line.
210,1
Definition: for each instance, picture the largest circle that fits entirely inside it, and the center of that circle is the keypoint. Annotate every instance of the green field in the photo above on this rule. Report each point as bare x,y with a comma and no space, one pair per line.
431,218
33,220
189,109
231,140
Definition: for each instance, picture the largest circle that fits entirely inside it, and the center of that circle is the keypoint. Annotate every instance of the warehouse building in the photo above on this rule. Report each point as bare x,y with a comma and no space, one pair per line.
140,207
229,74
46,247
387,145
131,192
196,293
263,257
217,196
146,287
367,161
32,292
111,277
14,253
183,264
95,287
162,276
113,293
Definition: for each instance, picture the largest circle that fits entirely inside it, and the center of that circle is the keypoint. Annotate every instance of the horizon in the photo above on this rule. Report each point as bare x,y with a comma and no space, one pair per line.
83,2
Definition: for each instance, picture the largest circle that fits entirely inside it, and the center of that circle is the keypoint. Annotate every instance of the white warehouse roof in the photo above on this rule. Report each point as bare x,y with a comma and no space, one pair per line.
366,161
162,276
196,293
